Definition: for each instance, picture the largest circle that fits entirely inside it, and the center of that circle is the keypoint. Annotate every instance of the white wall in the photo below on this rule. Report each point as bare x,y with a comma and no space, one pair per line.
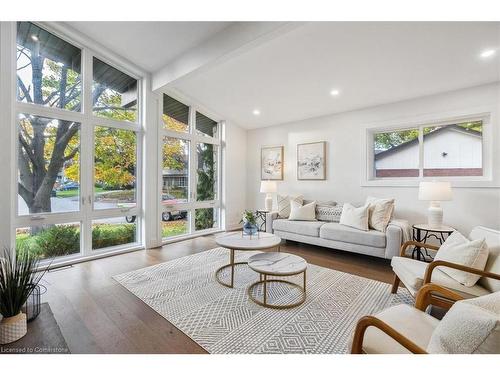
344,135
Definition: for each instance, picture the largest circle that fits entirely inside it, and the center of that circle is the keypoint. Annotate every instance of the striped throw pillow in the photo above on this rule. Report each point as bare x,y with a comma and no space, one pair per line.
284,204
329,213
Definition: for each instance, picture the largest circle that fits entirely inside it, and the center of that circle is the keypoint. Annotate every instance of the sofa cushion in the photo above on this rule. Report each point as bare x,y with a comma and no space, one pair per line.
410,322
411,272
306,212
356,217
380,212
305,228
339,232
329,213
284,204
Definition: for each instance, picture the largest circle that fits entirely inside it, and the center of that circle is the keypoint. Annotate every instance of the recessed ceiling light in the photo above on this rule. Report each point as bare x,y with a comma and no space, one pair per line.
334,92
487,53
34,37
256,112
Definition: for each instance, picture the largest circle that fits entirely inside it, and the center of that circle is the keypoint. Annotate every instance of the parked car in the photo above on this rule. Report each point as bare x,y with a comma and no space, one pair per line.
71,185
166,200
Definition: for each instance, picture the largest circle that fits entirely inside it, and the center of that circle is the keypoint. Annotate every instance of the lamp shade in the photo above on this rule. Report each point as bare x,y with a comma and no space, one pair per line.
268,187
434,191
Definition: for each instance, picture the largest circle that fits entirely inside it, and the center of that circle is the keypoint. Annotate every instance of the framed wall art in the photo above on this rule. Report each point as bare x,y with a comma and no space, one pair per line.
271,163
311,161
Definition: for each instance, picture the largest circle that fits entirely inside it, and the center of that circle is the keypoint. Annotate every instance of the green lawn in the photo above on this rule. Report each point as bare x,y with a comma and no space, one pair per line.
174,228
74,193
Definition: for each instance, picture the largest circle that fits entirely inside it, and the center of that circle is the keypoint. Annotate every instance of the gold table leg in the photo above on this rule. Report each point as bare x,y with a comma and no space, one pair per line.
231,264
265,281
265,290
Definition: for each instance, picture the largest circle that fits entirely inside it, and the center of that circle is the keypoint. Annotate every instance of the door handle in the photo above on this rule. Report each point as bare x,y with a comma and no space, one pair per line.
37,217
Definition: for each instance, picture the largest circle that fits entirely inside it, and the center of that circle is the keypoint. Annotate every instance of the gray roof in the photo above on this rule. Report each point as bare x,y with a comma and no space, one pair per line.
38,40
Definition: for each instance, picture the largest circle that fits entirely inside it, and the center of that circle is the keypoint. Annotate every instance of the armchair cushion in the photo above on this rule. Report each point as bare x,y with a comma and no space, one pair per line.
471,326
411,273
460,250
416,325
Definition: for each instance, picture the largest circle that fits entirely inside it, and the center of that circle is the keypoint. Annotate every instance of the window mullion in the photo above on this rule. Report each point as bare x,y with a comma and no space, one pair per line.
87,152
421,151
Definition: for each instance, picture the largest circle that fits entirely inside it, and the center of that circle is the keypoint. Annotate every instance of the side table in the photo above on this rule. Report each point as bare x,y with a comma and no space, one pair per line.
423,232
260,215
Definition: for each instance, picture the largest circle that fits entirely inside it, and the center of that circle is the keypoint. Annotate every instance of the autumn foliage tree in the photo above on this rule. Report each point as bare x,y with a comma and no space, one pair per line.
48,146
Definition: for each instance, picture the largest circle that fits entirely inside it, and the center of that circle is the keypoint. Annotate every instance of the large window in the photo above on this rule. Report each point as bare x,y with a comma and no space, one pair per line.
115,167
77,160
453,149
114,93
48,165
189,171
48,69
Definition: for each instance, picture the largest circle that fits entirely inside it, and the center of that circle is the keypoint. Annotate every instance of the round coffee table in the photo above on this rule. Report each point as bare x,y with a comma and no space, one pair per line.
279,265
238,241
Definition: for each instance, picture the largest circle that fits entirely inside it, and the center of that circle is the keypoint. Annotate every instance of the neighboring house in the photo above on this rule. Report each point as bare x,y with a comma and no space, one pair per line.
448,151
173,178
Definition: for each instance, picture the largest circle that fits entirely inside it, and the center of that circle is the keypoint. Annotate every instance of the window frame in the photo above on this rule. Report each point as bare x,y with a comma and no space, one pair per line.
193,138
88,122
368,168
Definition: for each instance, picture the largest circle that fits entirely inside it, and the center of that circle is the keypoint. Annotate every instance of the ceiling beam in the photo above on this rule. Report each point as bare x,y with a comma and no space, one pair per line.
233,40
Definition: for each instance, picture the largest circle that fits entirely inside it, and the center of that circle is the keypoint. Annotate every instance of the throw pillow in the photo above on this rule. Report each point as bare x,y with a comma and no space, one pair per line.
380,213
356,217
305,212
284,204
460,250
471,326
329,213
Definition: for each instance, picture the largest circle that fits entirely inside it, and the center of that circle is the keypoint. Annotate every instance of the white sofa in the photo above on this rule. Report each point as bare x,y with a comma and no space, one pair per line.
337,236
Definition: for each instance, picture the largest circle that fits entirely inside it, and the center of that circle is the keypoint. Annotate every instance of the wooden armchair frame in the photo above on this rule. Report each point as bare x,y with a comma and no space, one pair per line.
429,294
437,263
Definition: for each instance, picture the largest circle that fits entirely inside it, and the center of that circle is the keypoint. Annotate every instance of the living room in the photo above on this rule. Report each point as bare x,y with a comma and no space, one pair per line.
260,186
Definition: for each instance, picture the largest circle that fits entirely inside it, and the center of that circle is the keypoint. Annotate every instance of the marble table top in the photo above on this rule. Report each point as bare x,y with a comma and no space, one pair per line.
236,241
277,264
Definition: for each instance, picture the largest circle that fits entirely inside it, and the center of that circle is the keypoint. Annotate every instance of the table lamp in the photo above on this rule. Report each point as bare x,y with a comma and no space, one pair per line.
435,192
268,187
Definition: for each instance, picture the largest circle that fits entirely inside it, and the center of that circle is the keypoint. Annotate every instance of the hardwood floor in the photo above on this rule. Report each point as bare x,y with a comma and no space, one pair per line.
97,315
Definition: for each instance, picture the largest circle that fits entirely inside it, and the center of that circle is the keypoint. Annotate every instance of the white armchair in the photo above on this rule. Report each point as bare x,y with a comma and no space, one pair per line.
470,326
414,274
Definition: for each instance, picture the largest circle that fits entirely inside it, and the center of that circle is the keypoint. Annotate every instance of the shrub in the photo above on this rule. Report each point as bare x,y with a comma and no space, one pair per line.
58,240
106,235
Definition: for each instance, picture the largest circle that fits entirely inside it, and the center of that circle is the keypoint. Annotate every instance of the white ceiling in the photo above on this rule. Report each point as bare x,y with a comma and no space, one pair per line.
149,45
289,78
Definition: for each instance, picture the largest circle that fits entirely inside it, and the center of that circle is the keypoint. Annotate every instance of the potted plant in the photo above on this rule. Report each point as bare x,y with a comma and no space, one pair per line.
249,222
18,277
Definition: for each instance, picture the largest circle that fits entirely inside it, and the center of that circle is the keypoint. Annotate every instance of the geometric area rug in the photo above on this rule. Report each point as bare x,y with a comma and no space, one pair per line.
224,320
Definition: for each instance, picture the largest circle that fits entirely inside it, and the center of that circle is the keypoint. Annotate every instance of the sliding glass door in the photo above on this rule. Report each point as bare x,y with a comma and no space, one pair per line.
190,178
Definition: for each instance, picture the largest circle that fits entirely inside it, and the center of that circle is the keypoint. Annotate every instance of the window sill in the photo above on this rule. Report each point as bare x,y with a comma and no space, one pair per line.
415,183
190,236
